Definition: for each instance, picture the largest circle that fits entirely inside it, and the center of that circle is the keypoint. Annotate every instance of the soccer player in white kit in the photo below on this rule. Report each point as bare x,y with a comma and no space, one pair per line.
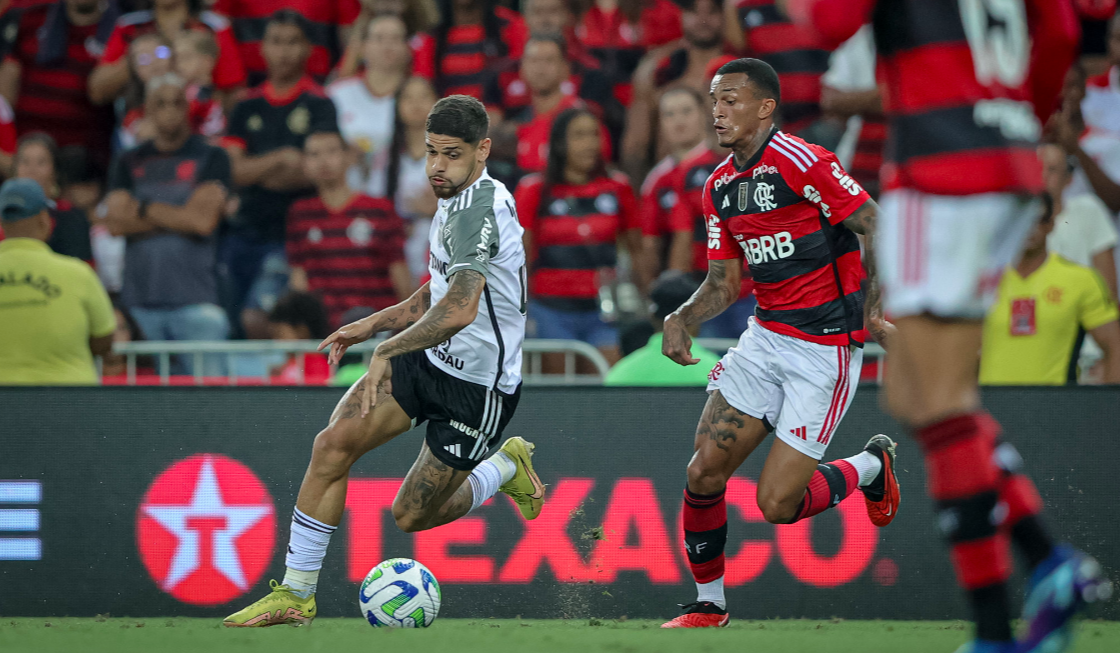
456,364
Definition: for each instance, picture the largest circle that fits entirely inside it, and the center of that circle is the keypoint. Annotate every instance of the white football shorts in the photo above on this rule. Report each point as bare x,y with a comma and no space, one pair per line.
800,388
944,255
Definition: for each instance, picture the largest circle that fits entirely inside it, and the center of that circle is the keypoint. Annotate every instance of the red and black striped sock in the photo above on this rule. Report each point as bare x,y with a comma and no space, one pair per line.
830,484
1020,496
705,534
964,481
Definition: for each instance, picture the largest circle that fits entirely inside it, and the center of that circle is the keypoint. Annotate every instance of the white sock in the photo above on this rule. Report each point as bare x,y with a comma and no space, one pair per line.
867,466
306,550
489,476
713,592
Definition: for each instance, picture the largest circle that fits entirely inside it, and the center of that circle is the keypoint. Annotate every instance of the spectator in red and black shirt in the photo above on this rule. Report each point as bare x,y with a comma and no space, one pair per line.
475,41
620,33
168,18
344,246
683,120
326,21
688,65
44,76
546,74
575,216
798,56
265,143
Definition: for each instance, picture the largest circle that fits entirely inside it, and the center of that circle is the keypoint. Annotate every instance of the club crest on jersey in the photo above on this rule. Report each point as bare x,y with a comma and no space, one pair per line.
763,196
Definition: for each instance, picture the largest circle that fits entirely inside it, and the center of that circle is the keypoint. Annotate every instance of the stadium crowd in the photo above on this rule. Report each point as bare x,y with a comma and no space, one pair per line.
255,168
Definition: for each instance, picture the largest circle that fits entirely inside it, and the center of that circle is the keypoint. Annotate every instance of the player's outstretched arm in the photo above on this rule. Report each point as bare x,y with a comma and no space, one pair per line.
864,222
719,290
399,316
450,315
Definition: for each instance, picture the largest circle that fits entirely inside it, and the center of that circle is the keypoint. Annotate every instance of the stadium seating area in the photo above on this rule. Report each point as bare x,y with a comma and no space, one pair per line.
288,252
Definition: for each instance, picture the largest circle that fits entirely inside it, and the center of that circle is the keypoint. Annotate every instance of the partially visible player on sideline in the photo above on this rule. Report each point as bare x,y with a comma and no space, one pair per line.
456,364
791,211
968,85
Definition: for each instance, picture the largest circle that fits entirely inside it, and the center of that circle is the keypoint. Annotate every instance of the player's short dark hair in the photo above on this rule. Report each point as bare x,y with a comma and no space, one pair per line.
546,37
459,116
760,74
289,17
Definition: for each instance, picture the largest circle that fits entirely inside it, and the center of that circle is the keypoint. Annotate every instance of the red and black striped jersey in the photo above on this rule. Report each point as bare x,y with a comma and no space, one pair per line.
229,72
534,129
784,212
658,198
575,231
53,95
469,63
250,17
967,85
346,253
619,44
688,213
795,53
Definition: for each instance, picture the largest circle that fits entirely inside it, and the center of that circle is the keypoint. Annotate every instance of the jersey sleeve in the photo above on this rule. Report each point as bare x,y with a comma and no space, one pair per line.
527,198
1096,308
721,245
237,129
217,168
120,176
628,207
471,235
816,174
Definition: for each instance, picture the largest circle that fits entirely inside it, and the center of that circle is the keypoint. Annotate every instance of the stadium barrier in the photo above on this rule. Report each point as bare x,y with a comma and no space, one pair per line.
175,501
233,350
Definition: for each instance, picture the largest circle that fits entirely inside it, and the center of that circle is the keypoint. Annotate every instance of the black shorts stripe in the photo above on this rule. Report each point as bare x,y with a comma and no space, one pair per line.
497,334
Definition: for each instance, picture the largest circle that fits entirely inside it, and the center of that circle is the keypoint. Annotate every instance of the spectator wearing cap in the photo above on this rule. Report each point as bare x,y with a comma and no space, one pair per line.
167,18
54,314
327,22
37,159
57,45
166,196
648,366
265,145
687,65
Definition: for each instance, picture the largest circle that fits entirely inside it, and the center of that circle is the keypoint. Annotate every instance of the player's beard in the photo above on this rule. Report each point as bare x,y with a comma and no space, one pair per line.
447,192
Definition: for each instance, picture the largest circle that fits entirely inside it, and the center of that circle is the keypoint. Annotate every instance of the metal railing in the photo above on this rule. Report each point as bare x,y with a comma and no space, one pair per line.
198,351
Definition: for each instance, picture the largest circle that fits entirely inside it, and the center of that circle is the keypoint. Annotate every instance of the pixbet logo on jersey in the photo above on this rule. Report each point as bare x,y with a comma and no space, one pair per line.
205,529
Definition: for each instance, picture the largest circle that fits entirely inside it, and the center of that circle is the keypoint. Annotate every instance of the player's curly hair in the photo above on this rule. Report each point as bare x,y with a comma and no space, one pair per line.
459,116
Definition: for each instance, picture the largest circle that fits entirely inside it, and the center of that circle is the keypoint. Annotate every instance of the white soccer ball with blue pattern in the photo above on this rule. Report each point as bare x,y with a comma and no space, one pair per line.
399,593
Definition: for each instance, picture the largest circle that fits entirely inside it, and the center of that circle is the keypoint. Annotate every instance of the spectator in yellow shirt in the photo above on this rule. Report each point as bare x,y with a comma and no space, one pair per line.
54,314
1032,332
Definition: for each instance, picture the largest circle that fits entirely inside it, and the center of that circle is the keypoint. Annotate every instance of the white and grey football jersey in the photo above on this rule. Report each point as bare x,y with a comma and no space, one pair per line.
478,230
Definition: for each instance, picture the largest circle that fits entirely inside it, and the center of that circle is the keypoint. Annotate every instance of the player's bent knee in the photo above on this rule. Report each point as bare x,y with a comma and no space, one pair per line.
407,520
335,449
703,479
777,509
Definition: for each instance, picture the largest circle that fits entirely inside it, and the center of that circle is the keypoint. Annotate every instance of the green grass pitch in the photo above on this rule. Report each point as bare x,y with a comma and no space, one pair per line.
20,635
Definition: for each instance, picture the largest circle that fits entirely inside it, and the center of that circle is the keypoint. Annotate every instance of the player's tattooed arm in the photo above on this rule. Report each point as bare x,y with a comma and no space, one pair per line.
448,316
400,316
719,290
864,222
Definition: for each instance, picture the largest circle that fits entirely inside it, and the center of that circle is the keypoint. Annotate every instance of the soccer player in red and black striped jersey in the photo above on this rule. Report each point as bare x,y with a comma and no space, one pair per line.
344,246
968,85
792,212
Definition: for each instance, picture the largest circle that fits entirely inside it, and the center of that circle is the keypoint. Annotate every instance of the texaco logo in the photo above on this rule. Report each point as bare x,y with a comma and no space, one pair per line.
205,529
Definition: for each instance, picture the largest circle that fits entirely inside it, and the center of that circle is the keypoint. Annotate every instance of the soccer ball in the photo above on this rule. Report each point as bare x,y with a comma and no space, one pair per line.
399,593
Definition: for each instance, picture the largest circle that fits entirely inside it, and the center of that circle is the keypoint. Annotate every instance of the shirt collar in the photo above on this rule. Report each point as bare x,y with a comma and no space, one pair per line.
275,99
24,243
